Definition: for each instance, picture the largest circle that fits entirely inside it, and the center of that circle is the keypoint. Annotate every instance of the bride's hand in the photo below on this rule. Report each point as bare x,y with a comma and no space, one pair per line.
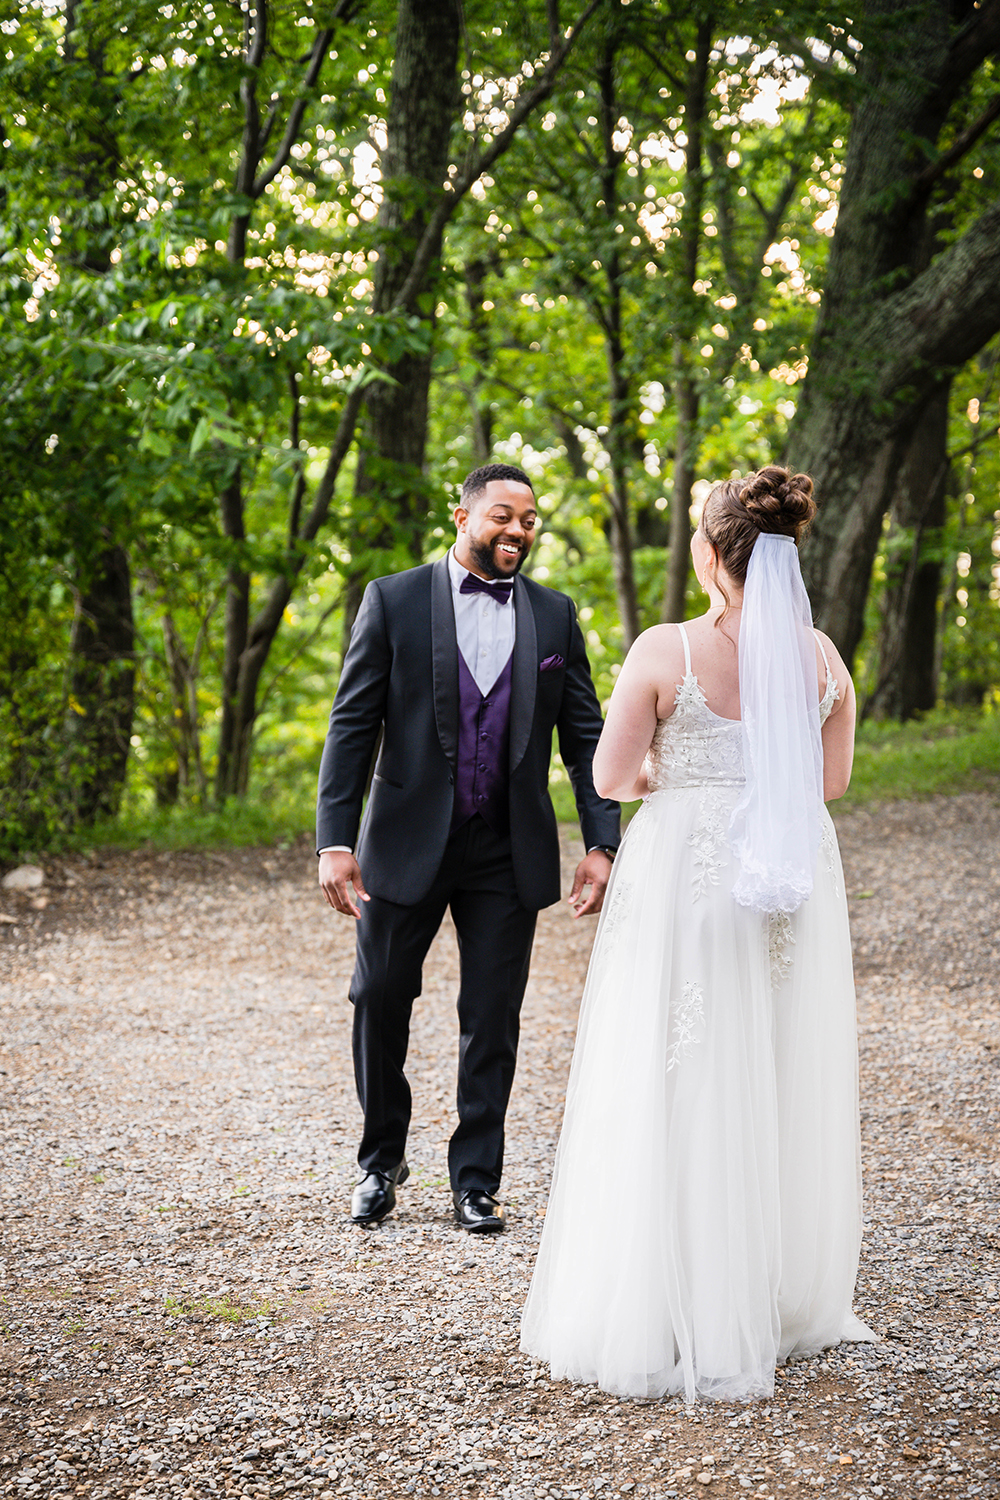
594,870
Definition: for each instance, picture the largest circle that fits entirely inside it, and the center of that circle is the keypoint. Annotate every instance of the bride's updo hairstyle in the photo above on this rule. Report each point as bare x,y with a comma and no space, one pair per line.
738,510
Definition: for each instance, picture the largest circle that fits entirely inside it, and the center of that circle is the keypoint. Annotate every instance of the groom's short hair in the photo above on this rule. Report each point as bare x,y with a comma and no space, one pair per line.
475,486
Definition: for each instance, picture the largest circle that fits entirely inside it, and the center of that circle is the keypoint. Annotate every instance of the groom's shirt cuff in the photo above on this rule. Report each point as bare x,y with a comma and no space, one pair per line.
335,849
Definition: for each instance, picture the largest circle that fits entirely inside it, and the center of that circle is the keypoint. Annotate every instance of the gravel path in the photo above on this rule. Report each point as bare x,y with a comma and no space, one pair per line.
186,1310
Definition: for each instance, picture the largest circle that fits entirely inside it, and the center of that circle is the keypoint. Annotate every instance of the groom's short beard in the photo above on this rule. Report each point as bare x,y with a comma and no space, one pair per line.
483,554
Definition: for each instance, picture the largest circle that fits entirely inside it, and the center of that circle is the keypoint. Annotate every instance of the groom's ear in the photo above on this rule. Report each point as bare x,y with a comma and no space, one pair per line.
460,516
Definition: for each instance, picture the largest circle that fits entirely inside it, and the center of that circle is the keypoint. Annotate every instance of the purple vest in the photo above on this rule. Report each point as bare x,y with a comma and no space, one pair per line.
483,752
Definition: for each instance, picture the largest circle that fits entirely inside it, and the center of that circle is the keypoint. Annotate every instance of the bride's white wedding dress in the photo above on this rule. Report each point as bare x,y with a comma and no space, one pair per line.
705,1215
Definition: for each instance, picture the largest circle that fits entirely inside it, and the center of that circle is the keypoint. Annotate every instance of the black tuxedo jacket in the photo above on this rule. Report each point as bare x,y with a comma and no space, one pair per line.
400,677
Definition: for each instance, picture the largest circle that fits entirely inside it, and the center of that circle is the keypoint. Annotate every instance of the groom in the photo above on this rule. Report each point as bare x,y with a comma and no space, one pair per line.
465,669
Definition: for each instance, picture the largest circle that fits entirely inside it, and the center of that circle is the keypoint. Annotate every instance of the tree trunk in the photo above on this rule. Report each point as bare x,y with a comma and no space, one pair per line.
235,728
907,679
479,337
184,688
685,385
622,547
896,317
843,592
102,687
422,111
240,678
686,402
422,105
101,667
616,440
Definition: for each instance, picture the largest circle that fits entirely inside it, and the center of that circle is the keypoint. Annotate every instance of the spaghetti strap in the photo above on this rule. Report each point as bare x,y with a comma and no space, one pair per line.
687,650
826,659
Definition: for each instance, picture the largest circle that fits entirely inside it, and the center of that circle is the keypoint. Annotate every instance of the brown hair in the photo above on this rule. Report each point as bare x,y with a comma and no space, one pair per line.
738,510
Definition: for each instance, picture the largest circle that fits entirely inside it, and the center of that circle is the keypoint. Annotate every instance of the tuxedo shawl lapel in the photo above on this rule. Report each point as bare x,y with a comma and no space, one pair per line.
444,659
524,675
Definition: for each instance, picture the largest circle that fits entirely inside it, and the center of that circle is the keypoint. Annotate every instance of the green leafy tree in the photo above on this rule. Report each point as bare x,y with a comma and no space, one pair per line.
907,300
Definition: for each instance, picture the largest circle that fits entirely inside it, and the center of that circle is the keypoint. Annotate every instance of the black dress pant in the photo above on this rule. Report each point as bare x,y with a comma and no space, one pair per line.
495,933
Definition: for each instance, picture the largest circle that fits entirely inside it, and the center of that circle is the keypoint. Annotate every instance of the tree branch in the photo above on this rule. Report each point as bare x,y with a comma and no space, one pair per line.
935,170
69,26
268,127
695,115
299,488
570,418
456,190
268,619
250,144
969,48
774,217
255,54
302,647
944,316
266,624
674,79
345,11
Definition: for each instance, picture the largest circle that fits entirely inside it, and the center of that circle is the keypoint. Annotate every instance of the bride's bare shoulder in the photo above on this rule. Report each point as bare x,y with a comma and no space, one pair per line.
660,636
831,653
654,668
657,647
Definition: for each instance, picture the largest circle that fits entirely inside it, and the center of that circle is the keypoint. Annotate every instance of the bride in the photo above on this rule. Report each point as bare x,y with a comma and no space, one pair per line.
705,1214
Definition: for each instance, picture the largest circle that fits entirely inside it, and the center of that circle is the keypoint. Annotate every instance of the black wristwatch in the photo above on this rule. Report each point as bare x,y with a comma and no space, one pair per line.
604,849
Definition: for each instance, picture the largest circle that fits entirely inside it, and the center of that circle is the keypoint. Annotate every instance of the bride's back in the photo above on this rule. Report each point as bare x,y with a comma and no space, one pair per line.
736,513
713,643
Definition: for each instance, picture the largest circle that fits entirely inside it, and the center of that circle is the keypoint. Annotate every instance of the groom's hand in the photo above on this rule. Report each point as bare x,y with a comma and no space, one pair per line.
593,871
337,871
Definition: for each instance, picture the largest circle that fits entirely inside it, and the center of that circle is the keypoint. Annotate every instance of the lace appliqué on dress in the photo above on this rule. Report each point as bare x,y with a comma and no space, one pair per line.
621,901
829,698
688,696
708,840
615,916
688,1016
780,938
828,850
694,746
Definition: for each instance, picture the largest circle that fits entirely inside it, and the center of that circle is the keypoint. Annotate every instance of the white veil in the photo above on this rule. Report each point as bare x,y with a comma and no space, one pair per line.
774,831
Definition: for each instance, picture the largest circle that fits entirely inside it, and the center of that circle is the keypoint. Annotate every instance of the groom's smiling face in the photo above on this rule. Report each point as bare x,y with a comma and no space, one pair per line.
496,532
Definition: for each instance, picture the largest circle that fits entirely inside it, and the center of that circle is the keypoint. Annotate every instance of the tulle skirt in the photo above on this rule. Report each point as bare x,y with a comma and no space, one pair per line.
705,1215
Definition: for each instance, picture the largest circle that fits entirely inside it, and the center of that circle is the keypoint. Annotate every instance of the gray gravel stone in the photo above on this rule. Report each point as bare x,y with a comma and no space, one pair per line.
187,1309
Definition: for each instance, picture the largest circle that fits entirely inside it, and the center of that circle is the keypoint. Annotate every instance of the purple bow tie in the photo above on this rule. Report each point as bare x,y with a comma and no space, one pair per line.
498,592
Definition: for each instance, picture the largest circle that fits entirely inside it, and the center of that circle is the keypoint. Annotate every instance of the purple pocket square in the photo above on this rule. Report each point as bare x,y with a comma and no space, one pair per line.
551,663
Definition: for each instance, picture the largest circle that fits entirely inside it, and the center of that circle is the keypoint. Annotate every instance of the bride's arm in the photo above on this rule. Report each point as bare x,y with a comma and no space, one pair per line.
630,724
838,731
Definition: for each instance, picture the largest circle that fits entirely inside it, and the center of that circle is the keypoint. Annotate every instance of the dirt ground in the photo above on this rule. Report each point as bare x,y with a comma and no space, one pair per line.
186,1309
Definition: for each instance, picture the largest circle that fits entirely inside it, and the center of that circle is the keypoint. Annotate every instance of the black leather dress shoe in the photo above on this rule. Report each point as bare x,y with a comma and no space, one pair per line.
375,1194
479,1212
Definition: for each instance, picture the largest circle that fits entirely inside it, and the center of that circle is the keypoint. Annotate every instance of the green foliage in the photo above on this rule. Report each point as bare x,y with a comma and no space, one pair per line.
968,550
939,753
150,366
970,546
36,782
240,824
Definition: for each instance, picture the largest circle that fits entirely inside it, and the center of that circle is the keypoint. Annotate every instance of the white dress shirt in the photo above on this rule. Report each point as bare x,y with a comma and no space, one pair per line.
485,629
